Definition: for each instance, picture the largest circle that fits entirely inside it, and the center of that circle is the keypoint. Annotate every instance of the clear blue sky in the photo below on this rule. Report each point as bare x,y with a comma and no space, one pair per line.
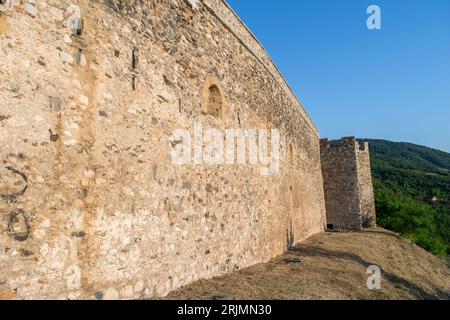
389,84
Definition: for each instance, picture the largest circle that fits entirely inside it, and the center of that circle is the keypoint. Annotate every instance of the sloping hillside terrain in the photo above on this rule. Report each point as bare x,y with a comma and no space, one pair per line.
334,266
412,192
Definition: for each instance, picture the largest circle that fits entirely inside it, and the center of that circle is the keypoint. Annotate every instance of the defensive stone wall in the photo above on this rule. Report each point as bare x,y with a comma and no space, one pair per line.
348,185
341,187
92,206
366,186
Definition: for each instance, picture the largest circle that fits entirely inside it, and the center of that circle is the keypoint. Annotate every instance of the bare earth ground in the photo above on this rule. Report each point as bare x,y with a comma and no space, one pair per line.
333,266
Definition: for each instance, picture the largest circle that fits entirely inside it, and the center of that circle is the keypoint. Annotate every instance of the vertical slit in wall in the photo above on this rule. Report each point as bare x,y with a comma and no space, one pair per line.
133,83
134,65
179,105
79,52
80,27
134,60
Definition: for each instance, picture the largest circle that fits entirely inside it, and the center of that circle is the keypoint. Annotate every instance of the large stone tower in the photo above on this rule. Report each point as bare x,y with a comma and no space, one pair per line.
348,185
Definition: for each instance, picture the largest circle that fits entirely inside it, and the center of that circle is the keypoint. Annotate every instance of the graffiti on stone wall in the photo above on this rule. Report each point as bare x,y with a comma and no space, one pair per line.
14,184
18,225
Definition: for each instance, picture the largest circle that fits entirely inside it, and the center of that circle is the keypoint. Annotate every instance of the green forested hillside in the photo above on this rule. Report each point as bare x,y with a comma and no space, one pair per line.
412,192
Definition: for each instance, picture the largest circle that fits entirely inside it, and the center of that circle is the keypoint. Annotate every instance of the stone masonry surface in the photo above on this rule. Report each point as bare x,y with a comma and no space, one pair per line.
348,188
91,206
366,186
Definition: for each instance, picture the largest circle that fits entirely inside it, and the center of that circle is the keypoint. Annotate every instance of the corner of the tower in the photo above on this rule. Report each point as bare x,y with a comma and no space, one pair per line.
348,188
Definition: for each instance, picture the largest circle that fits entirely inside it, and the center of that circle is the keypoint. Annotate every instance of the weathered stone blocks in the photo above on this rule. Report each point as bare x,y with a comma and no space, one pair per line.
348,185
85,124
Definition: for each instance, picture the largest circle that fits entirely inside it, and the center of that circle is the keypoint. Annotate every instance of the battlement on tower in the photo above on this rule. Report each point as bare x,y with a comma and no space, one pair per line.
363,146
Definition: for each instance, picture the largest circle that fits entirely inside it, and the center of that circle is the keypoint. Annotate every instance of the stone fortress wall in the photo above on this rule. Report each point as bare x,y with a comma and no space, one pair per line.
91,205
348,188
365,183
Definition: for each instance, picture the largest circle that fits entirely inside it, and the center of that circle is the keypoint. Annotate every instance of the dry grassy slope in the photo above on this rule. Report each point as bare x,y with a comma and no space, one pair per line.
334,267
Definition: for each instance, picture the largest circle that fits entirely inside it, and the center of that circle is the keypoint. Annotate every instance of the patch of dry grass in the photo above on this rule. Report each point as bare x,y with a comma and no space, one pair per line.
333,266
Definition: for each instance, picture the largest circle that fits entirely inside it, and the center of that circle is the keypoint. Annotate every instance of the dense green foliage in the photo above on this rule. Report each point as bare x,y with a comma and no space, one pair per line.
406,178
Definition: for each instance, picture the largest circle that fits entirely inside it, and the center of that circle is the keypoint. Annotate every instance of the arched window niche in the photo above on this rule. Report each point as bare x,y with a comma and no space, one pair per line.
213,99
